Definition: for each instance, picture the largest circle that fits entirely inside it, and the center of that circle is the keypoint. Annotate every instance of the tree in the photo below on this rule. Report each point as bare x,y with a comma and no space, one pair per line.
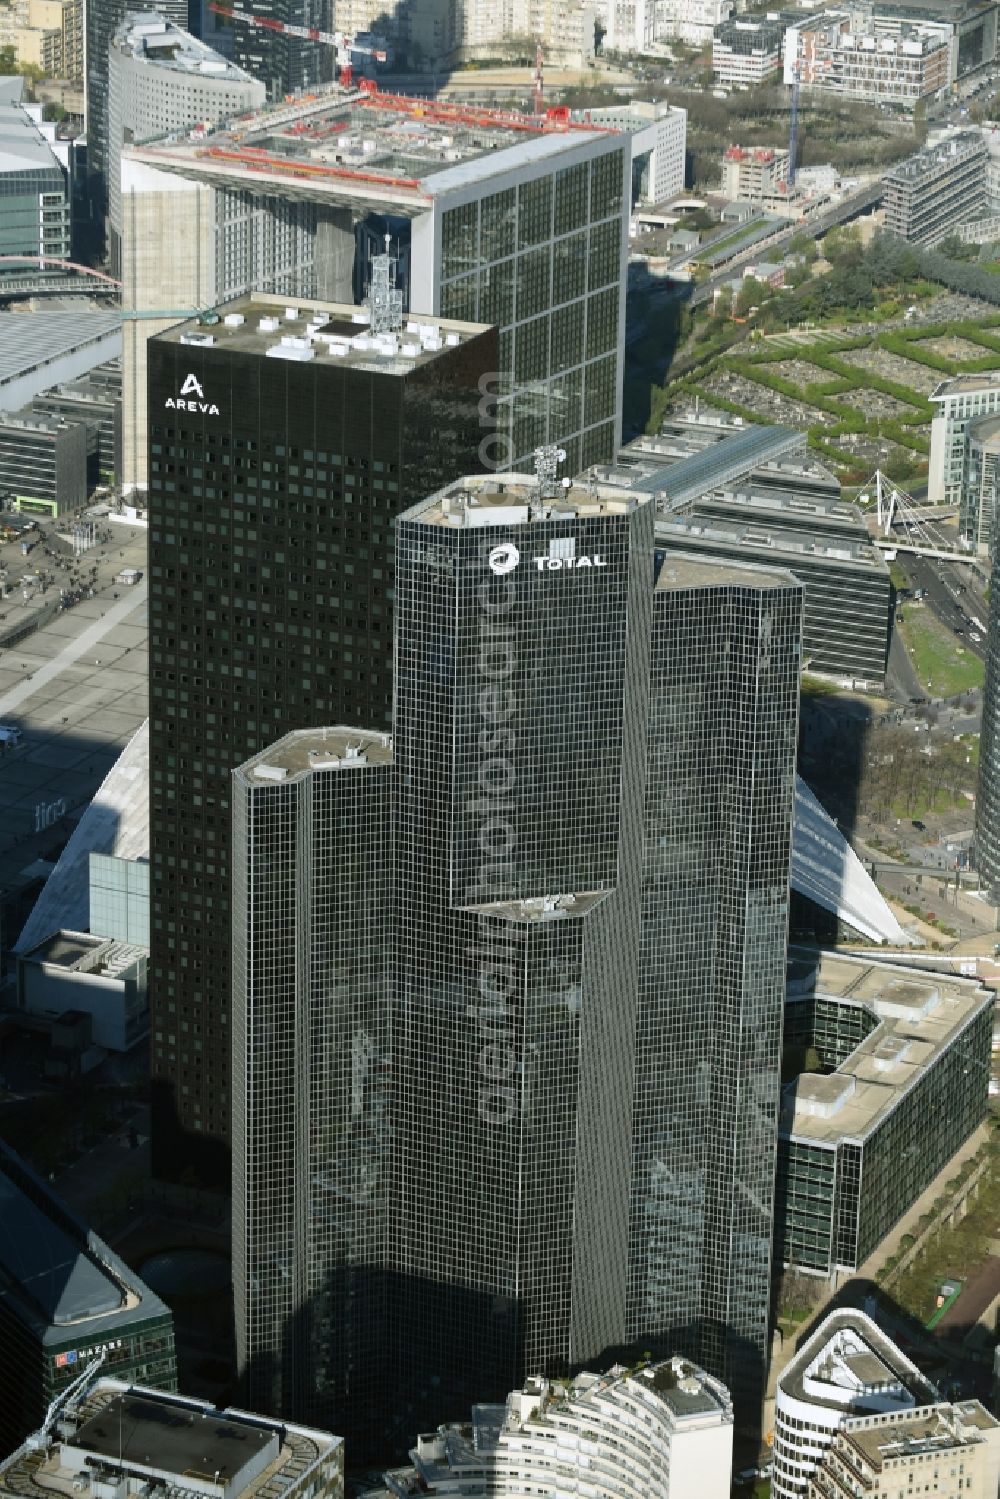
723,303
842,246
804,245
750,294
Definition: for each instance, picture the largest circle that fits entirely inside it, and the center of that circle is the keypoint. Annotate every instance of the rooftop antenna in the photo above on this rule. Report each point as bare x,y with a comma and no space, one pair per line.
547,460
385,299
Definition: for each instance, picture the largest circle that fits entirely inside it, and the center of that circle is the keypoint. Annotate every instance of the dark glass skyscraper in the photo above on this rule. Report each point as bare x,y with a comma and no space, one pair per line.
532,1074
988,800
283,443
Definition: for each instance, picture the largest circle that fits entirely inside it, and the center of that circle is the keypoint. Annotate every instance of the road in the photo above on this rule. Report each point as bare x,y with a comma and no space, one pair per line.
952,591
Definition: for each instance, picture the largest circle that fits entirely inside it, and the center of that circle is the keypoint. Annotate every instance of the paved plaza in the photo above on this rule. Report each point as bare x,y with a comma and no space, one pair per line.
77,689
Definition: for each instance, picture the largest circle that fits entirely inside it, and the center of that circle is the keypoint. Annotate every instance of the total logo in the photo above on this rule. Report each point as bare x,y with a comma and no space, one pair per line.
561,554
191,398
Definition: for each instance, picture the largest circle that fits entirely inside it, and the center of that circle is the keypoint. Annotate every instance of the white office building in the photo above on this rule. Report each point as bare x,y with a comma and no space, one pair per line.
162,79
849,1367
957,402
658,140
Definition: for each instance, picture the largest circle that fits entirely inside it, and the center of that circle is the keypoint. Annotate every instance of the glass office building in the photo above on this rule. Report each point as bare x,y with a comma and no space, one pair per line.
470,1072
987,848
904,1066
721,755
283,444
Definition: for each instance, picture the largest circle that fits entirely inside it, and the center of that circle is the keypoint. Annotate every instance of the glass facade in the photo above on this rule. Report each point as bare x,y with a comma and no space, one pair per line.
543,260
271,600
838,1199
507,1070
721,758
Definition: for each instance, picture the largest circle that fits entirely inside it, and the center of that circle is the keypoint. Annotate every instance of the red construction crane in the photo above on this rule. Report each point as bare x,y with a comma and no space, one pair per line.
345,45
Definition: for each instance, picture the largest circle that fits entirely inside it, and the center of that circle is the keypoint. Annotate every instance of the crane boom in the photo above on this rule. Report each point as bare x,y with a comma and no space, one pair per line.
344,44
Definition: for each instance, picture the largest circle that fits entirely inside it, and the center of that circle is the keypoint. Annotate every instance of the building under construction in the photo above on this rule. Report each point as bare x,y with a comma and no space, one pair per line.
514,220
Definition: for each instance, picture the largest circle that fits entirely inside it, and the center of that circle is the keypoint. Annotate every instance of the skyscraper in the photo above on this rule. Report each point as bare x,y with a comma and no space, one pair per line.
988,799
286,64
508,1065
284,441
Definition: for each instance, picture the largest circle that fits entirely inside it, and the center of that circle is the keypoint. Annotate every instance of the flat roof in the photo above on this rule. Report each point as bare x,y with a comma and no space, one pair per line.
183,1443
479,500
151,39
719,464
366,147
158,1434
919,1015
851,1332
536,909
787,545
925,163
306,750
941,1428
961,385
305,331
28,339
23,148
680,571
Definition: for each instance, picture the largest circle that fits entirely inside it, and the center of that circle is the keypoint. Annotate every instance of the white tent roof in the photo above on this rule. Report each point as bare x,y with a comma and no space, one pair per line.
826,870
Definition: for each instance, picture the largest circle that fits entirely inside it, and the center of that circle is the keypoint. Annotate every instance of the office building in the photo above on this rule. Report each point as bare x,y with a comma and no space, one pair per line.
40,350
284,442
978,506
774,510
663,1431
33,188
102,19
928,194
958,402
954,1447
43,463
657,135
66,1298
563,1165
754,172
746,51
139,1440
162,79
906,1065
862,56
848,1367
95,400
284,63
972,23
511,221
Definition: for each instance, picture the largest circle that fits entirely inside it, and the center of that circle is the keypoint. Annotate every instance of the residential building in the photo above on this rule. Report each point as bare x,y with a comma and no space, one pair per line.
102,19
515,222
972,23
906,1064
630,26
657,136
850,51
33,188
955,1447
350,424
691,21
928,194
43,463
47,34
755,172
746,51
607,1199
141,1439
65,1298
161,79
848,1367
661,1431
958,402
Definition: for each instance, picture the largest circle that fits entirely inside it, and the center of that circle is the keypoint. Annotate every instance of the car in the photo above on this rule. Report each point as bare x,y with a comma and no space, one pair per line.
975,636
921,827
745,1477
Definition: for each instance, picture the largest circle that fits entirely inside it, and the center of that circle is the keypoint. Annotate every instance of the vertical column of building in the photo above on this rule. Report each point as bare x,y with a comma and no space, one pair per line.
721,752
311,939
273,486
511,675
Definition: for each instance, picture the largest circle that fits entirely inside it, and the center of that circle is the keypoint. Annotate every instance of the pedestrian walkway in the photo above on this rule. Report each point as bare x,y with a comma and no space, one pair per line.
73,650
